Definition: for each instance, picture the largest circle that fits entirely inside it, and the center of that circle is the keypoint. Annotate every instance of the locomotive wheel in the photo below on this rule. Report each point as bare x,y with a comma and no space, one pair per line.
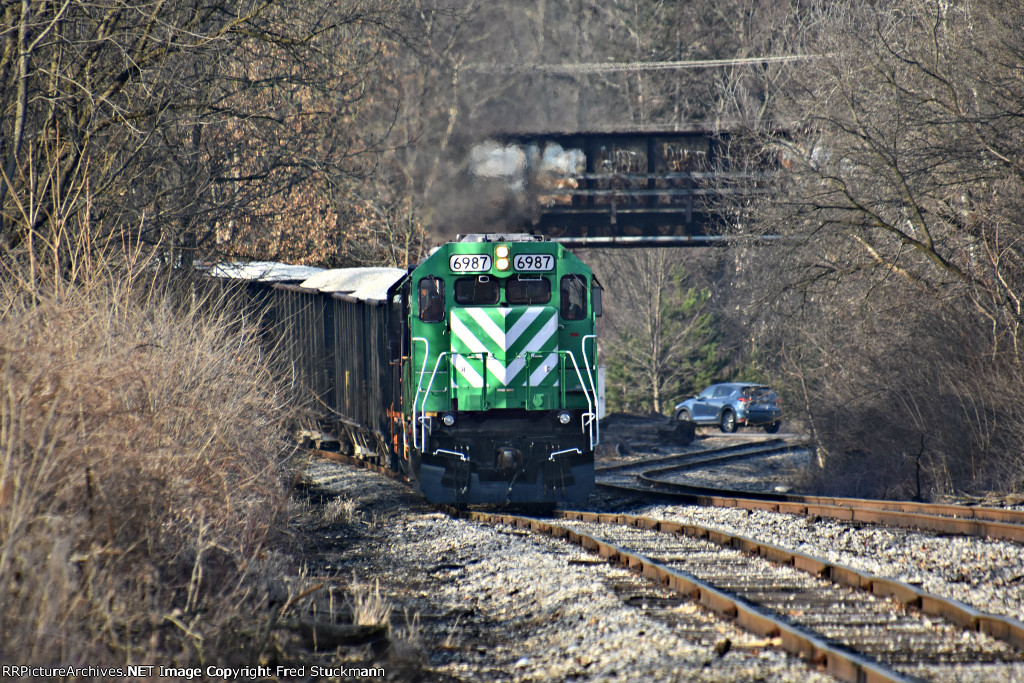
728,422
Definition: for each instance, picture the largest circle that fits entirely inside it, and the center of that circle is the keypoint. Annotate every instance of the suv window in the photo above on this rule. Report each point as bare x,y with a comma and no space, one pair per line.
759,393
478,291
527,290
723,391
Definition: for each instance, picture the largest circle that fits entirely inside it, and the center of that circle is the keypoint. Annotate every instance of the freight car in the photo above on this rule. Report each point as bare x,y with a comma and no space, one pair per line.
473,374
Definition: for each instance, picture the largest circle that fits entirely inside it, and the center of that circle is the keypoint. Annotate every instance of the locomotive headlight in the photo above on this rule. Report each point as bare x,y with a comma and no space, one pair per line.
565,417
502,263
501,251
448,419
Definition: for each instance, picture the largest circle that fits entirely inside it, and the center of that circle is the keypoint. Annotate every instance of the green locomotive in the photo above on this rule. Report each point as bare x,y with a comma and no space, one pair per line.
499,398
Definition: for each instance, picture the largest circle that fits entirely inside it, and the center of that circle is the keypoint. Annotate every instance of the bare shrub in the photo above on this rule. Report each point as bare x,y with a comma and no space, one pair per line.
142,471
369,607
339,510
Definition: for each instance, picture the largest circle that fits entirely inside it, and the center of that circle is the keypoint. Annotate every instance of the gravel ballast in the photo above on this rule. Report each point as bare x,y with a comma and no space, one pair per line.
500,604
985,574
497,603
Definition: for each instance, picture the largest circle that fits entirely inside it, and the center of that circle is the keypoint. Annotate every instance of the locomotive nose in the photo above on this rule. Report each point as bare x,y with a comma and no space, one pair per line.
509,458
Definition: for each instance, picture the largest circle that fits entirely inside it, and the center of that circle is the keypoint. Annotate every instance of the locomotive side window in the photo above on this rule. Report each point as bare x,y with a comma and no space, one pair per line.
481,290
527,290
574,297
431,292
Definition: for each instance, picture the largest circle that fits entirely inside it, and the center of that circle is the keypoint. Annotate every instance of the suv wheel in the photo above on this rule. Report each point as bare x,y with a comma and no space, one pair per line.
728,422
772,427
684,416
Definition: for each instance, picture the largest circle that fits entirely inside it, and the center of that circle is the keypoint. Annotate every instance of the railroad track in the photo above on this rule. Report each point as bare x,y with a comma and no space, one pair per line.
664,478
858,627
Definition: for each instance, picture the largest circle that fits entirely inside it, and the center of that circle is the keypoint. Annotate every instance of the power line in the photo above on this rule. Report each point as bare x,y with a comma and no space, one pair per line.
607,67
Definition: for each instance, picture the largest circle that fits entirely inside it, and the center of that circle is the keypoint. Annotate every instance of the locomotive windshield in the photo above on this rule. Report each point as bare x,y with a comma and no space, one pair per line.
484,290
528,290
481,290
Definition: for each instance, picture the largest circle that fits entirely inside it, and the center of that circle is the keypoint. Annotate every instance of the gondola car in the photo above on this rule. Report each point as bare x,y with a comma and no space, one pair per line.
473,374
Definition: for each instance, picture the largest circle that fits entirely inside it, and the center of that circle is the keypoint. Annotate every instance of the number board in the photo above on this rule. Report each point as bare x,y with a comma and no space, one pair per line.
533,262
469,263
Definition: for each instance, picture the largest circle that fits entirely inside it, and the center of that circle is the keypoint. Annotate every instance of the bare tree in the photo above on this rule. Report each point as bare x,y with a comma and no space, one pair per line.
898,281
193,125
659,340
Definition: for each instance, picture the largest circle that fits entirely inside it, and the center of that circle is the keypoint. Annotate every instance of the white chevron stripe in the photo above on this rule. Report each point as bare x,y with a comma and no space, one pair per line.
547,366
542,336
466,335
464,368
489,326
529,315
502,373
505,339
495,366
506,373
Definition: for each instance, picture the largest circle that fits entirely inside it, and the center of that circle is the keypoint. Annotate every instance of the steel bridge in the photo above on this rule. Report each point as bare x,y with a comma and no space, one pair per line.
620,188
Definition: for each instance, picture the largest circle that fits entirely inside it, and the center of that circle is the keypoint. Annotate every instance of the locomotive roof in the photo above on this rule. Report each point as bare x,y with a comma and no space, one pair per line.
262,271
360,283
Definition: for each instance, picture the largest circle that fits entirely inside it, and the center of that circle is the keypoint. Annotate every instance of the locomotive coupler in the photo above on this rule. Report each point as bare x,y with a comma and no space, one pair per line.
508,458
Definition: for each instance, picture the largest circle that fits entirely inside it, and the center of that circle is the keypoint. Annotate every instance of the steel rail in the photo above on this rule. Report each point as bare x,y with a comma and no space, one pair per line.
972,512
692,459
995,523
1004,628
836,660
951,519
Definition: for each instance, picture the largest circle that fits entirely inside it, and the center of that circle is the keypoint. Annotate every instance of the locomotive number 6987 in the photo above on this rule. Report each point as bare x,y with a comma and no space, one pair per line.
534,262
469,263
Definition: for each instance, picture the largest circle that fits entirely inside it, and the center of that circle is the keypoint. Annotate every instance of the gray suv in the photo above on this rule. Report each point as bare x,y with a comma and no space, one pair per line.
732,405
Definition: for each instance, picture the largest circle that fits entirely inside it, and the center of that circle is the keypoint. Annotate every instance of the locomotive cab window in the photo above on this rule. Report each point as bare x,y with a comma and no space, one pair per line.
481,290
574,297
525,289
431,298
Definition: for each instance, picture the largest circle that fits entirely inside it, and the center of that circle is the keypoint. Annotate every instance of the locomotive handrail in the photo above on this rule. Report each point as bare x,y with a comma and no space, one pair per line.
426,395
459,454
590,375
590,405
419,387
563,452
589,422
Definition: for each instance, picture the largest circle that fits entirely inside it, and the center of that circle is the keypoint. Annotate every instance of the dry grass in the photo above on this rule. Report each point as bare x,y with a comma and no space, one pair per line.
142,472
339,510
369,607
